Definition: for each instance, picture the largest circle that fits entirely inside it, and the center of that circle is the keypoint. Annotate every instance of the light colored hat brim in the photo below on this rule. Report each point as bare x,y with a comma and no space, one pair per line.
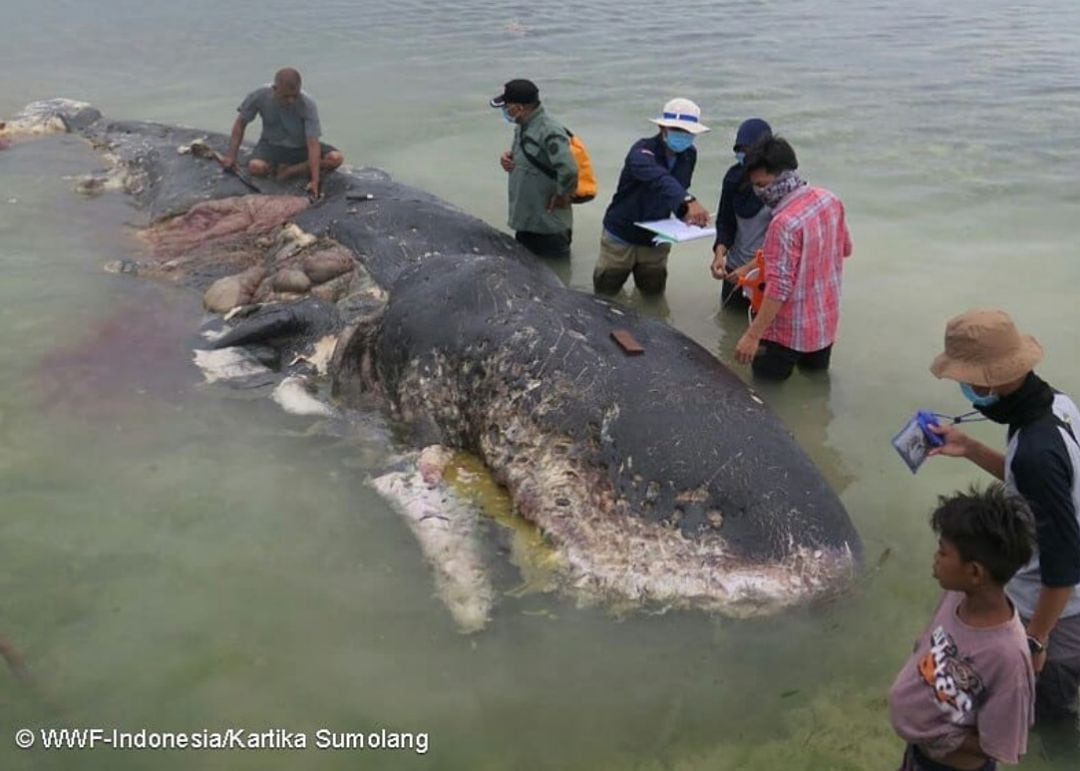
693,128
992,373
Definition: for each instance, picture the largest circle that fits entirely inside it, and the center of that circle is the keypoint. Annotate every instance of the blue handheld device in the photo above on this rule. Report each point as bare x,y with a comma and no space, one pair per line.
927,419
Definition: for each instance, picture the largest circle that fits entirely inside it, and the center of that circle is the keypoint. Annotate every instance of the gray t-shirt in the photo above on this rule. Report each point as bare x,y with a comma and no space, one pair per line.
749,235
962,679
281,125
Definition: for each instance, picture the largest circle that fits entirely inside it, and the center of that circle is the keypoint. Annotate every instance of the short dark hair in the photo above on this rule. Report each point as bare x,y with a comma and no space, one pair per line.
987,526
773,154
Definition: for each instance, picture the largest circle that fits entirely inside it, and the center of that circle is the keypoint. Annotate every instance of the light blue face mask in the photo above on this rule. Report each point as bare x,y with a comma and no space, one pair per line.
741,158
978,401
678,141
507,116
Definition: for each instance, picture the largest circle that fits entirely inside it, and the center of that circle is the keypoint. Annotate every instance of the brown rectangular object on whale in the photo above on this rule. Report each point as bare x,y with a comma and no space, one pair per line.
627,342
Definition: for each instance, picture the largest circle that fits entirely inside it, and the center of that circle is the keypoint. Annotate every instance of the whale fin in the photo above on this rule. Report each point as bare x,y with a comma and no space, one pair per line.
287,327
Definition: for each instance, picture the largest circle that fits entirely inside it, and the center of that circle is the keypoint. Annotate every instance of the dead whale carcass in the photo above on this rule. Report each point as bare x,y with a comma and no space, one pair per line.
658,480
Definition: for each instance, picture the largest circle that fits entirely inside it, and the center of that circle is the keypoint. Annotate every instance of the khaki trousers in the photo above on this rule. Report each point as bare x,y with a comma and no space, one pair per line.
617,261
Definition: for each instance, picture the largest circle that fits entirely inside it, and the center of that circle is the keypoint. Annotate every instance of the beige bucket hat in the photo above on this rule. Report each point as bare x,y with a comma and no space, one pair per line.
681,114
983,347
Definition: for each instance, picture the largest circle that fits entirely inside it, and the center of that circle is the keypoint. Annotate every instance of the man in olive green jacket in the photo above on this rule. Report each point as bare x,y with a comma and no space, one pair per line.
543,172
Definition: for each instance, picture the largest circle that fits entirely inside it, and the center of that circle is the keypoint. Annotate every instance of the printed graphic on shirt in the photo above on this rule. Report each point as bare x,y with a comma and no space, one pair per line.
958,689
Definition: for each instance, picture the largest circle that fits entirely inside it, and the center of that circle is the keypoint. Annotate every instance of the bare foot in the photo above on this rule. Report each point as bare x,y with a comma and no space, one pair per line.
288,172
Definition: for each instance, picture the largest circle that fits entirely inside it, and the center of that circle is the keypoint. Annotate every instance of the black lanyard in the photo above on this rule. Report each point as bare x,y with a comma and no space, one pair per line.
965,418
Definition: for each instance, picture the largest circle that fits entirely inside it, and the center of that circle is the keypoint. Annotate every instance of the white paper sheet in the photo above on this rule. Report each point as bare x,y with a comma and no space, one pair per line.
675,231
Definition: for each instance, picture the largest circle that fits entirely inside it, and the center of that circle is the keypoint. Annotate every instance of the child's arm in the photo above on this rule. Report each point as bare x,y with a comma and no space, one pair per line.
968,755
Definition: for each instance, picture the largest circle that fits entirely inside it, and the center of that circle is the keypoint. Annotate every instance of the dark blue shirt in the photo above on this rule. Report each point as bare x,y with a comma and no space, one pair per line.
647,189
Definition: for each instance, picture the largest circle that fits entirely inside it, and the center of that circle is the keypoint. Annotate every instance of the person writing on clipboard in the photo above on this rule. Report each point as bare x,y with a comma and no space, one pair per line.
653,185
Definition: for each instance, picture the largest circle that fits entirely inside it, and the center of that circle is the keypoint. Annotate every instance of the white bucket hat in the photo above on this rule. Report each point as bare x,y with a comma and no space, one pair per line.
681,114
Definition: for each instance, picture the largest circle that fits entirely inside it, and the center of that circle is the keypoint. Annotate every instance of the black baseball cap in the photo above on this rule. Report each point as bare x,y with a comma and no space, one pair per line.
519,91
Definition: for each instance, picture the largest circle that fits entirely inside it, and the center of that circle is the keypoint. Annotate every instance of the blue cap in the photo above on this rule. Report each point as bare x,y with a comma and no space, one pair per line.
750,132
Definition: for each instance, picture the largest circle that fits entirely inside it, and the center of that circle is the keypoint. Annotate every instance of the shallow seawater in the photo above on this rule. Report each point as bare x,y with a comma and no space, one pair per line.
177,557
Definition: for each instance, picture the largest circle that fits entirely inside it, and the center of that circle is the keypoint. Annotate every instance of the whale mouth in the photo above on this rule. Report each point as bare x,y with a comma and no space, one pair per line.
607,554
614,558
627,561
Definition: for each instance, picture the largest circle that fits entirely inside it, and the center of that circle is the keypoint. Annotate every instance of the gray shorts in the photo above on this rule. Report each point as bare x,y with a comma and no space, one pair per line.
277,155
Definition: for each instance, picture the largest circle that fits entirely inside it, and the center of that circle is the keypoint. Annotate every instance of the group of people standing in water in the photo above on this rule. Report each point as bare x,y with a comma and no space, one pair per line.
765,206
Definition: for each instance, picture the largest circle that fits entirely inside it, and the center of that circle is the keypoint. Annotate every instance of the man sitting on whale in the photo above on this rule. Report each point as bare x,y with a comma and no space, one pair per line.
289,145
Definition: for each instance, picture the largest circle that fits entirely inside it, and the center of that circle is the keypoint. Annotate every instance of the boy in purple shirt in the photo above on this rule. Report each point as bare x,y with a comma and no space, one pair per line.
964,698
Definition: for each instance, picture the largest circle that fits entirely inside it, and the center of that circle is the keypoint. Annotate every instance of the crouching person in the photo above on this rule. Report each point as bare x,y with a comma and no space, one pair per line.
289,145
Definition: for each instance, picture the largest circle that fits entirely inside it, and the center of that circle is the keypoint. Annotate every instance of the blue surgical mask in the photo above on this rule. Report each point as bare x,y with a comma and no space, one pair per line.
988,400
507,116
678,141
741,158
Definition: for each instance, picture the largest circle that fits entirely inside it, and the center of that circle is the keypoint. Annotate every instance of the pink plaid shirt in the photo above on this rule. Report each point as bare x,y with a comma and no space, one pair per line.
805,247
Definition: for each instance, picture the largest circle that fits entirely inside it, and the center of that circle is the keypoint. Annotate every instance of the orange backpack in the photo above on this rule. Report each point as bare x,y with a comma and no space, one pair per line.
586,177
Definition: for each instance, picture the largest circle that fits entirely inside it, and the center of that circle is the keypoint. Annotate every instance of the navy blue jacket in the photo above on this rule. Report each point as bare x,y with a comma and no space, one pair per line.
647,190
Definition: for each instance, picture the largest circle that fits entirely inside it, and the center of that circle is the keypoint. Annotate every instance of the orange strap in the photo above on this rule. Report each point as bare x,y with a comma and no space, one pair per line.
754,281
